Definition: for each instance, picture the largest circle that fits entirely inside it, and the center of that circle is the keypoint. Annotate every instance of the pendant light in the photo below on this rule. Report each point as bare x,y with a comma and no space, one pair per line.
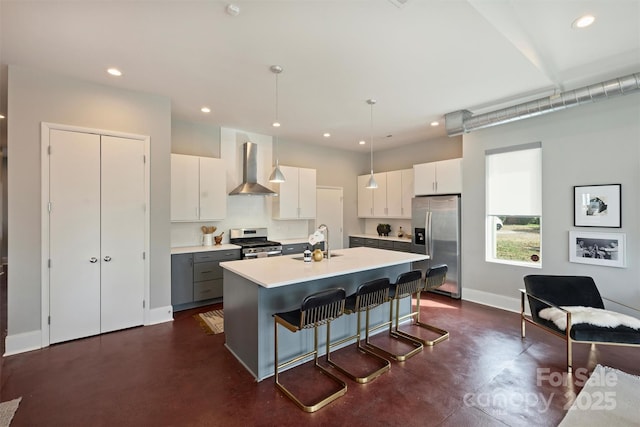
372,182
276,175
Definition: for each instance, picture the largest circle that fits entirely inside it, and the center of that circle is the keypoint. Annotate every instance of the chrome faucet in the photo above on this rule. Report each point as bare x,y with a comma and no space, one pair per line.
325,230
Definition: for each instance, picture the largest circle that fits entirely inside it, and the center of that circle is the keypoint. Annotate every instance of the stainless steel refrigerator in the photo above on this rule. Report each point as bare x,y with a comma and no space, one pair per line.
435,221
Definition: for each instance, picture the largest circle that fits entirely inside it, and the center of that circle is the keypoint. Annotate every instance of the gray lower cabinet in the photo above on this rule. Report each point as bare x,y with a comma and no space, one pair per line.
181,279
196,278
402,246
393,245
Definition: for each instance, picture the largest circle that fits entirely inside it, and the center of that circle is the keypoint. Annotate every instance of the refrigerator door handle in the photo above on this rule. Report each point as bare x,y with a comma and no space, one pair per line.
428,237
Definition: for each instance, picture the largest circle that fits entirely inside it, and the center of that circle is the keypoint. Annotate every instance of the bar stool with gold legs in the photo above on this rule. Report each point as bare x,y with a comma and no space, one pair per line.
434,278
415,346
369,295
317,309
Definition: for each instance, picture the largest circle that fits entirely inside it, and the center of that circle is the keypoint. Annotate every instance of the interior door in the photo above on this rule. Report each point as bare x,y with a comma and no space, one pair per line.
74,224
122,233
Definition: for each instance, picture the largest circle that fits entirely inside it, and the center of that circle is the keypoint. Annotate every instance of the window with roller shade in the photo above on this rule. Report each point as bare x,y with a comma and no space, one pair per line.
514,204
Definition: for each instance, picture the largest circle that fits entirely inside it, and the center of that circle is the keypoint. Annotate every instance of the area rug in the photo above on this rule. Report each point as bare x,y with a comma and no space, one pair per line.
609,398
8,410
212,321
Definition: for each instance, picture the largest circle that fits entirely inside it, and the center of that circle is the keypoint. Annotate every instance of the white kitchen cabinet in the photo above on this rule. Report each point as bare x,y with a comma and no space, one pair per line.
380,195
296,197
407,192
365,198
96,234
443,177
392,198
198,188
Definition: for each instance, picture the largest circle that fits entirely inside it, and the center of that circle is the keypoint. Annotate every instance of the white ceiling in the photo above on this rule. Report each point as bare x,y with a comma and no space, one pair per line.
419,60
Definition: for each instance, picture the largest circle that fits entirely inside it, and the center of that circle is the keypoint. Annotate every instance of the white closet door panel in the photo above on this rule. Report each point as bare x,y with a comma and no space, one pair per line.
213,189
123,216
74,192
184,188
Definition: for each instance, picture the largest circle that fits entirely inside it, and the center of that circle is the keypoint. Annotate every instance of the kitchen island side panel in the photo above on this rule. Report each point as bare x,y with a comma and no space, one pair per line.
249,308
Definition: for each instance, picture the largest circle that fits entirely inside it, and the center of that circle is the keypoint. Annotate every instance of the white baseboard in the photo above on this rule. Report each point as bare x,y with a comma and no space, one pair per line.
160,315
28,341
492,300
21,343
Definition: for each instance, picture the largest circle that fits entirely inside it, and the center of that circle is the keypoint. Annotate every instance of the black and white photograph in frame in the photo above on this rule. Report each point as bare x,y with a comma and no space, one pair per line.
597,205
607,249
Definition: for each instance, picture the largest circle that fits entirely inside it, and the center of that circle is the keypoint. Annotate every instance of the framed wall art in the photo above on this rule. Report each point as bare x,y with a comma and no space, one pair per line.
597,206
607,249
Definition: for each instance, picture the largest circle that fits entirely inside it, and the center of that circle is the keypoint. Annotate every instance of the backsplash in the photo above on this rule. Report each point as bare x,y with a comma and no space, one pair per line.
372,224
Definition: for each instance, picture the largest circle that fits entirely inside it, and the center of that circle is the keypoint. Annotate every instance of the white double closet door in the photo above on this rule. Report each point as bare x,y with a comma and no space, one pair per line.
96,234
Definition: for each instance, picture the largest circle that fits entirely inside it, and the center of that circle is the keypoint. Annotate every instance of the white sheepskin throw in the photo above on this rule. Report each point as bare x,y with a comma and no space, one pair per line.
593,316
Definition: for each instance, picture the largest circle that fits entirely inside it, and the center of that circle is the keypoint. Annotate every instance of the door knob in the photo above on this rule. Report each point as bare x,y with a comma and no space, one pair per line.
107,258
93,260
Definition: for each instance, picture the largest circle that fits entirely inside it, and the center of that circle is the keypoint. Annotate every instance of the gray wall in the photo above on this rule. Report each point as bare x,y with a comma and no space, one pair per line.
405,157
195,139
592,144
335,168
36,97
340,168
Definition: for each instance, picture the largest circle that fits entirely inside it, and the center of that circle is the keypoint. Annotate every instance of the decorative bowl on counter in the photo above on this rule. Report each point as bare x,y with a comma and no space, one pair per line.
383,229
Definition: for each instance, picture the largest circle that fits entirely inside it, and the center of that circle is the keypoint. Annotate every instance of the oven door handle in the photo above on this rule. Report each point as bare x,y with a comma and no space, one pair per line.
258,254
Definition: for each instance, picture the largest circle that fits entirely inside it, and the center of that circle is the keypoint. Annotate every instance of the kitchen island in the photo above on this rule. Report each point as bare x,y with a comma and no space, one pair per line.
256,289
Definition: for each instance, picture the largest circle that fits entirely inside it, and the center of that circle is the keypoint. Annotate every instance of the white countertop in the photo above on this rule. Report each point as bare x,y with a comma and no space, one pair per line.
285,270
191,249
375,236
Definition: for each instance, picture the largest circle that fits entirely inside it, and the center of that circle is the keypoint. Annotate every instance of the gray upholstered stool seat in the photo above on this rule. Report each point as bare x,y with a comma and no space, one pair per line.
368,295
316,309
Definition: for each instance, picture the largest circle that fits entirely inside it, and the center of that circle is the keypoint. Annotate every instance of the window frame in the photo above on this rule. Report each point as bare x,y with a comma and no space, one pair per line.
490,218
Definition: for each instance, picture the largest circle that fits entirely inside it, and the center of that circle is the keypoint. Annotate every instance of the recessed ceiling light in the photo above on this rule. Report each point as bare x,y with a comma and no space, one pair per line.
114,72
205,109
326,135
362,142
1,116
434,123
276,124
583,21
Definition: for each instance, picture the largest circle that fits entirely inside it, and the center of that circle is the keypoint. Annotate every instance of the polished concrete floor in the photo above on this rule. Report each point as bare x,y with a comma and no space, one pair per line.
173,374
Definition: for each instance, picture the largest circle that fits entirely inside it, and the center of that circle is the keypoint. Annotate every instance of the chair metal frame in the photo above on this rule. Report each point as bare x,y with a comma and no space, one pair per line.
331,306
524,319
401,292
369,295
435,277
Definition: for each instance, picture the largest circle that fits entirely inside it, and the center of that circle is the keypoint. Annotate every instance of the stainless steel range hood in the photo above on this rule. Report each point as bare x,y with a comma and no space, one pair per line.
250,186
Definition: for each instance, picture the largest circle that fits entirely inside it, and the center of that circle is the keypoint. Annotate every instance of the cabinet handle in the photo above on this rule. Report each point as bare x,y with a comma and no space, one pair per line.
204,272
107,258
93,260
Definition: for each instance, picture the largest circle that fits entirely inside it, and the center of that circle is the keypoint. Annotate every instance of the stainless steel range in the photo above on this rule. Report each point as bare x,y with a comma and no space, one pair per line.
254,243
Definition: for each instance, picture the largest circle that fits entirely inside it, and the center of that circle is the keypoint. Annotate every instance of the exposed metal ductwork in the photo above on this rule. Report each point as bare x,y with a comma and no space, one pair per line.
463,121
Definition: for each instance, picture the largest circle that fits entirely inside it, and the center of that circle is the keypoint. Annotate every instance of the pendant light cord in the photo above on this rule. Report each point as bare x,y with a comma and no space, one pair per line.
371,103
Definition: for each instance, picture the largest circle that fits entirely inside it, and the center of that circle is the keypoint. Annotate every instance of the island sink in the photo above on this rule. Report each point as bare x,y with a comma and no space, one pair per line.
301,258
